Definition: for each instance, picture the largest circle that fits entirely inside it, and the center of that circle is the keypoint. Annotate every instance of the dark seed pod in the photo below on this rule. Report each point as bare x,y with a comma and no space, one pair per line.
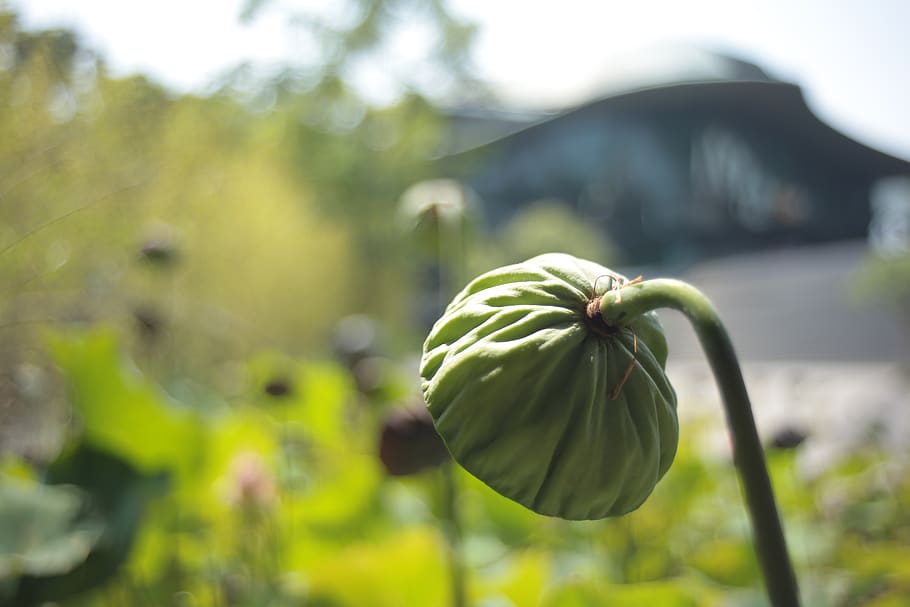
538,397
408,442
158,252
788,438
277,387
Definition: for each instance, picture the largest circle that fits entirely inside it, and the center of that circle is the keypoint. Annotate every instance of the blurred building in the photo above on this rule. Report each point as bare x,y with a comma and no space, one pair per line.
692,156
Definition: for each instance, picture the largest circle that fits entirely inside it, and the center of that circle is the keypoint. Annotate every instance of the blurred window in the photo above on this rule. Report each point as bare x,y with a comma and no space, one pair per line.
727,170
889,229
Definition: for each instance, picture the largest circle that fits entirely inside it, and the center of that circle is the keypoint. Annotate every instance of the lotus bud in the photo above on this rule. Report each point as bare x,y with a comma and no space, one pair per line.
538,397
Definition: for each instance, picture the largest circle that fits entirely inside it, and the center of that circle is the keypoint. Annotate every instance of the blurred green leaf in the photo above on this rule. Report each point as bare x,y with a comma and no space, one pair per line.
547,226
316,406
15,468
116,495
42,530
682,592
406,569
896,598
342,499
875,563
727,561
519,579
120,411
883,280
575,594
488,511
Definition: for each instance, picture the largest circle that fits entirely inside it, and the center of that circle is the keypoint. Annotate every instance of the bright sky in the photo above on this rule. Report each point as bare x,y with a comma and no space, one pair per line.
851,58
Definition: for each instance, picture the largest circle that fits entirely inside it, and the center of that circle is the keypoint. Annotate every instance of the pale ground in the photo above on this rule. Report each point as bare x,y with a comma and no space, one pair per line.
842,407
816,357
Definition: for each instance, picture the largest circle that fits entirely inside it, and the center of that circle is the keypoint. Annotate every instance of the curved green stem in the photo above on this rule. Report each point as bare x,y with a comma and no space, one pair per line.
770,545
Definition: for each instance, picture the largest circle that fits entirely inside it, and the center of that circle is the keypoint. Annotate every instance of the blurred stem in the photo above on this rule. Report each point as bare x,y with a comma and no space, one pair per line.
450,263
748,456
453,533
450,258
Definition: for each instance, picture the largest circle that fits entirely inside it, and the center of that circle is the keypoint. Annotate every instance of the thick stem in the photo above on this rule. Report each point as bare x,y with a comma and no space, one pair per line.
748,456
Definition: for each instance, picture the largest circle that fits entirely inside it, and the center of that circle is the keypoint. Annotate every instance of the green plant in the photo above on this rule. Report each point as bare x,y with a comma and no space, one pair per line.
521,372
512,369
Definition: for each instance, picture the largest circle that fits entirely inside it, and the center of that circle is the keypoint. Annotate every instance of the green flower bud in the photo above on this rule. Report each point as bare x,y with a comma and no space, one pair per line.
540,399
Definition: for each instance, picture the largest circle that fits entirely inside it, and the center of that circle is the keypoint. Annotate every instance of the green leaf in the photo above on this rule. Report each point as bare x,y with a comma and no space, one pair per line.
487,511
344,499
406,569
41,530
121,412
316,405
680,592
114,496
727,561
520,580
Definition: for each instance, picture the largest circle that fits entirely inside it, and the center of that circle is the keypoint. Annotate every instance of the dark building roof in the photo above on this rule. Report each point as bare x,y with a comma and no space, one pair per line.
663,66
774,107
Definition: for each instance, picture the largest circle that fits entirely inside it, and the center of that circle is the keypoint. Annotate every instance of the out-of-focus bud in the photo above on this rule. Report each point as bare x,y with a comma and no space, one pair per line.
429,209
371,375
355,339
159,247
409,443
278,387
788,438
251,484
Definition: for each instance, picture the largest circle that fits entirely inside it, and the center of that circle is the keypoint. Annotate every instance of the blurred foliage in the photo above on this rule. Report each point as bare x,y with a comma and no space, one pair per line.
84,192
41,532
208,227
885,280
265,500
549,226
355,39
175,428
